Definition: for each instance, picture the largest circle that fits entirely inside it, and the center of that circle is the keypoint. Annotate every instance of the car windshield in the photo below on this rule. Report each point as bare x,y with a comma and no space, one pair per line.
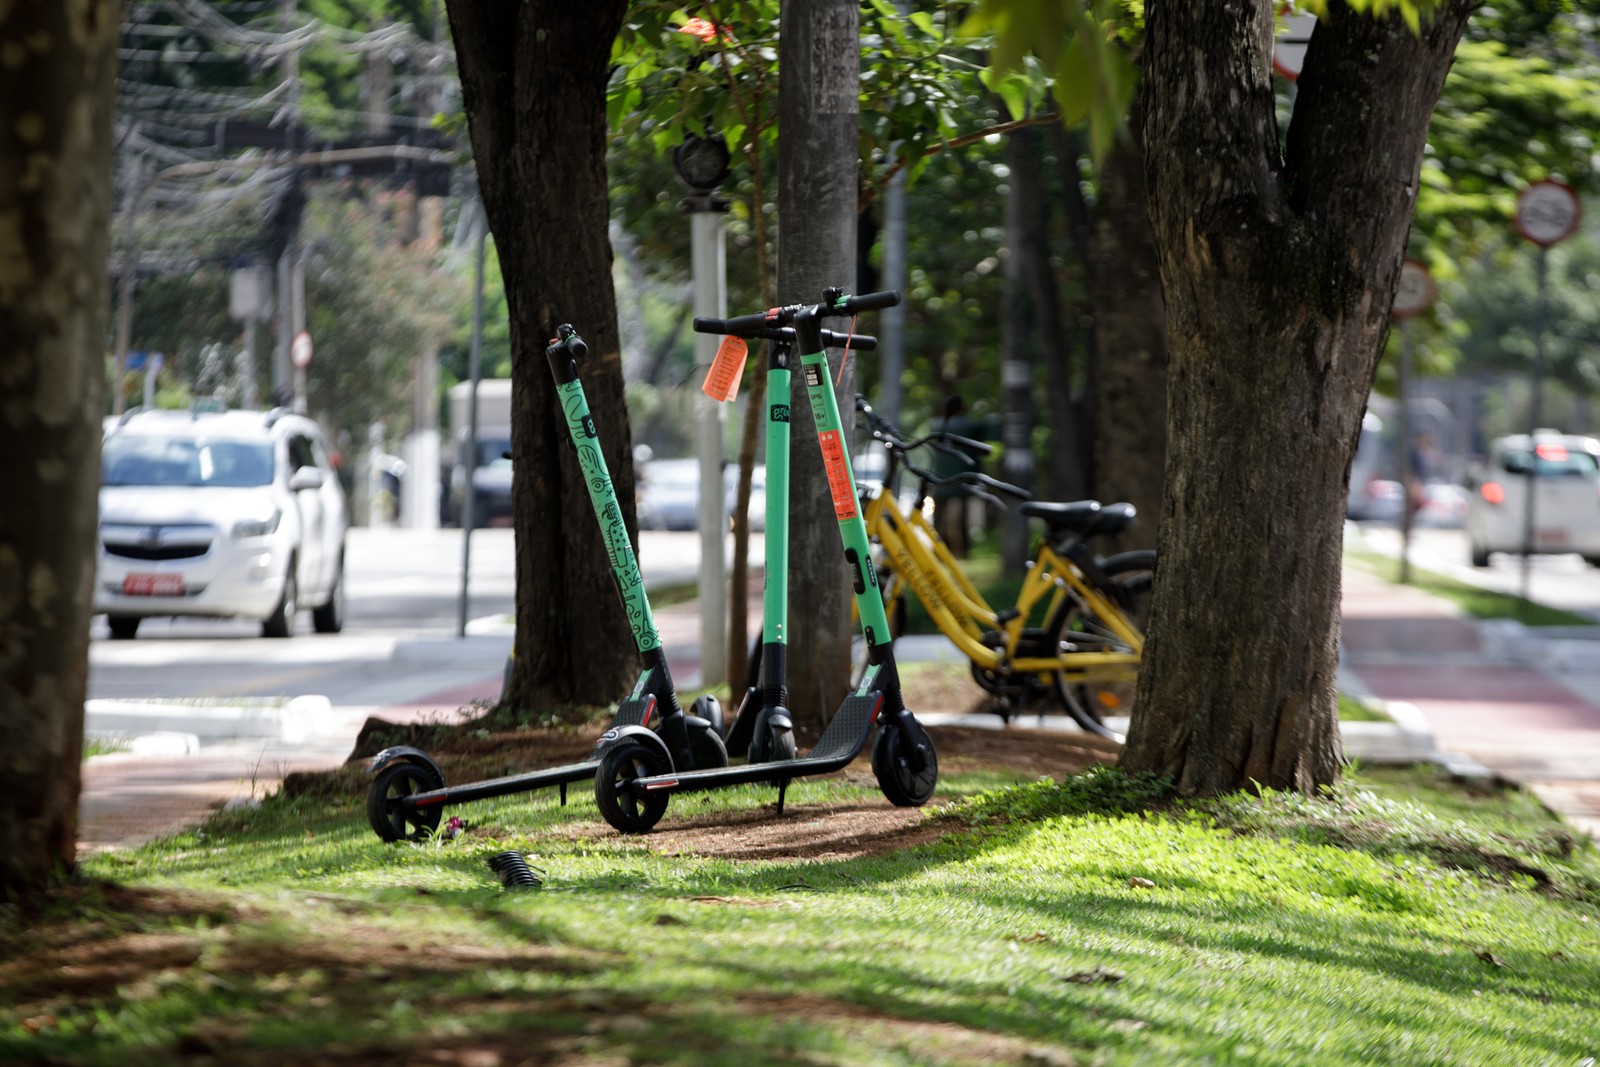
492,452
1553,460
137,459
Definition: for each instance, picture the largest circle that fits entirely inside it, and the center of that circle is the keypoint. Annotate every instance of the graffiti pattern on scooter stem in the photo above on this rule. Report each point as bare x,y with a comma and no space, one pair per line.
624,565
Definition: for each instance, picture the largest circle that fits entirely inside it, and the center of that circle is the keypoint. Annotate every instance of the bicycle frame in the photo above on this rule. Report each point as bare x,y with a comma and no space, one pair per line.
922,560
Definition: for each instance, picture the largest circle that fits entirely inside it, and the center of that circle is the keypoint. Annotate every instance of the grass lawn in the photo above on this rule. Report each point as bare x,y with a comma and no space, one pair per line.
1400,921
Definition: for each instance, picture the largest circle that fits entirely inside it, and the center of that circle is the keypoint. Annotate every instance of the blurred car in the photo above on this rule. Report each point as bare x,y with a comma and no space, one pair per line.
491,480
1565,471
1375,499
669,495
1443,505
225,514
756,514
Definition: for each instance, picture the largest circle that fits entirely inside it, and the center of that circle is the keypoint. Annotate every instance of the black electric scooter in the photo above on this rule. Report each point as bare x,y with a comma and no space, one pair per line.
408,793
633,783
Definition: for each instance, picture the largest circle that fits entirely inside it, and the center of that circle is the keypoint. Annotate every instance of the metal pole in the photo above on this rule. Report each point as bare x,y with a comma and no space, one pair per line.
1408,466
248,389
1535,416
709,269
892,349
469,516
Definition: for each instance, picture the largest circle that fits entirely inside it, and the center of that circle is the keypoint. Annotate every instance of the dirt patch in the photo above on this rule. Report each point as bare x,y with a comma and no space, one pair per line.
802,832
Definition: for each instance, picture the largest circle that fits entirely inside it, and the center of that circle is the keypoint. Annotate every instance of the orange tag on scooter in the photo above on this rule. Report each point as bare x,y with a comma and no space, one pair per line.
839,485
727,367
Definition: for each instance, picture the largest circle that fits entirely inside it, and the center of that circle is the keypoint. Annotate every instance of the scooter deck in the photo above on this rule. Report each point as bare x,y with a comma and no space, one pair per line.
840,743
631,712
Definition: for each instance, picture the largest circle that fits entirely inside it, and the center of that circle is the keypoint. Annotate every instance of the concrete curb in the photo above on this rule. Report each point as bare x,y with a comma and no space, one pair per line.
294,721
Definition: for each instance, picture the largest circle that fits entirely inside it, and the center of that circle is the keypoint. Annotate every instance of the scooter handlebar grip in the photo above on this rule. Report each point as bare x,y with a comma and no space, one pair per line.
870,302
862,342
740,326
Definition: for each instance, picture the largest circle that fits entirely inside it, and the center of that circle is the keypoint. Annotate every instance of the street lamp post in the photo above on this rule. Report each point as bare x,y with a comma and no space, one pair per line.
702,165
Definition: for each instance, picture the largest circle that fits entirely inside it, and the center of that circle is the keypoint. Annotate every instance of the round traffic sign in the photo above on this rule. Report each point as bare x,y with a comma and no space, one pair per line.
1548,212
300,351
1416,290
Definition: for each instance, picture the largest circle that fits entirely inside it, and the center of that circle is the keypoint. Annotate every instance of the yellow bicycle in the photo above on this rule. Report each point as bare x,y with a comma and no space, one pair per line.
1076,630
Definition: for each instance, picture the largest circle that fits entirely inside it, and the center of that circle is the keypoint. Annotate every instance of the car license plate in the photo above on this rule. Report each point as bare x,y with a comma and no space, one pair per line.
153,585
1550,537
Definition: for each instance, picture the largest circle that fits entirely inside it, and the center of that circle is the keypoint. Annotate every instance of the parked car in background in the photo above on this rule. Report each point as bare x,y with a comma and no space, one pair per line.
669,495
1375,492
225,514
1443,505
491,480
1564,471
757,512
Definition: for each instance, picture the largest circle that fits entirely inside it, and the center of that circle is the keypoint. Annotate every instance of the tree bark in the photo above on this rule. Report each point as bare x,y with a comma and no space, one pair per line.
1072,389
1030,329
533,79
56,99
1130,433
818,83
1279,270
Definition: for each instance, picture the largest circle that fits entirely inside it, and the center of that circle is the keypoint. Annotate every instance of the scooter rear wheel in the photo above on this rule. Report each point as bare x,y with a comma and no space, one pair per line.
709,708
706,746
625,808
904,787
388,815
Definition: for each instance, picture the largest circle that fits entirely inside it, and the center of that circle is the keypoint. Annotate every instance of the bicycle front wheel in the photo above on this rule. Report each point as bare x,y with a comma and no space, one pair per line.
1090,701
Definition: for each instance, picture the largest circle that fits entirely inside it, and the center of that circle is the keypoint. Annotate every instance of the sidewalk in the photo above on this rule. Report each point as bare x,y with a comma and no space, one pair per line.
1492,697
1483,698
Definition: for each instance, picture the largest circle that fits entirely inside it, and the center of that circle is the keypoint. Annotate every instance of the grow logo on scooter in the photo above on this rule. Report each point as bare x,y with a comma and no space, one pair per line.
588,426
780,413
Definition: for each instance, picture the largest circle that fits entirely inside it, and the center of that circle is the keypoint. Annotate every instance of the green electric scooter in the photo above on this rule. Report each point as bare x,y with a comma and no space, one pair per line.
633,782
408,793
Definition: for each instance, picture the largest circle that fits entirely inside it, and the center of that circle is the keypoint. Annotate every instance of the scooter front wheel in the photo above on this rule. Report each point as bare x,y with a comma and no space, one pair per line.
386,810
891,763
630,810
772,742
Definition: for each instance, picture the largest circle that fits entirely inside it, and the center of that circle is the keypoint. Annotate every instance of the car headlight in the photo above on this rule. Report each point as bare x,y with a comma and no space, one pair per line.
257,527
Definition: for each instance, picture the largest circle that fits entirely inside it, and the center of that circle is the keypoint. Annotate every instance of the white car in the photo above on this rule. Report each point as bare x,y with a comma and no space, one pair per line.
225,514
1566,506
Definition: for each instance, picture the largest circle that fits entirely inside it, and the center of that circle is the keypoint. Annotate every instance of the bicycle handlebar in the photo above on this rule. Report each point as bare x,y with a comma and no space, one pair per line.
863,342
942,440
834,304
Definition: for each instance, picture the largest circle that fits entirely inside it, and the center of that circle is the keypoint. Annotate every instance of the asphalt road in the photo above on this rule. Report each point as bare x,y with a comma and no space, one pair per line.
400,638
1563,581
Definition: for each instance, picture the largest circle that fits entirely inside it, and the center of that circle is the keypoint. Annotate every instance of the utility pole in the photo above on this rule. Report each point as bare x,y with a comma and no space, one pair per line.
291,276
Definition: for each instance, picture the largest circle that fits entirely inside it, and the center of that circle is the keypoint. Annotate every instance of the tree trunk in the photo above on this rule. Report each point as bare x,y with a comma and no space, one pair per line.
1130,433
1071,389
56,101
818,82
1279,270
533,79
1029,328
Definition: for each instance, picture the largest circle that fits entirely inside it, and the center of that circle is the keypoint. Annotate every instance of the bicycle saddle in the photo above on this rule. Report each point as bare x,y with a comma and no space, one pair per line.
1083,517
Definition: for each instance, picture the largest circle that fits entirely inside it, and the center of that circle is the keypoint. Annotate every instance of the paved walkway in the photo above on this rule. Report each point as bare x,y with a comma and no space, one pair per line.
1520,705
1481,698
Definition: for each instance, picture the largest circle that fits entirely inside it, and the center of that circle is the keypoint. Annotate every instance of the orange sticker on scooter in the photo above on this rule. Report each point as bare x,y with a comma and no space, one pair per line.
727,367
844,493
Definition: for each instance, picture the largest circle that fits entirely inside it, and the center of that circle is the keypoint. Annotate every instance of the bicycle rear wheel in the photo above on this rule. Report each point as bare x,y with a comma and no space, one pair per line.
1091,702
